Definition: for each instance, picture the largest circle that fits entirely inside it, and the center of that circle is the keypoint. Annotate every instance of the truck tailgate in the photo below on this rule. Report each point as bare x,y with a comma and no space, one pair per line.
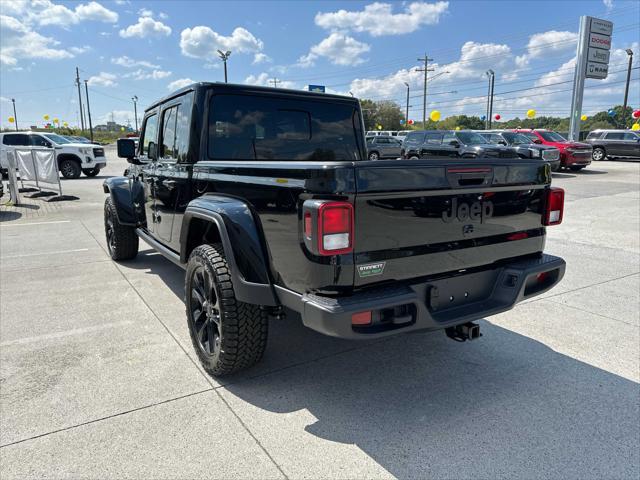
416,218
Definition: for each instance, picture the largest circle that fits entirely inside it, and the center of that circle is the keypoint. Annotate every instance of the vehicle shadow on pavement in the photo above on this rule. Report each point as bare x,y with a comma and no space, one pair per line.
8,215
562,175
422,406
589,171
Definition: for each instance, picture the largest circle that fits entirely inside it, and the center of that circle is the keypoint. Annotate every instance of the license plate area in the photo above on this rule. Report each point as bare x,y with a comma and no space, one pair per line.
463,290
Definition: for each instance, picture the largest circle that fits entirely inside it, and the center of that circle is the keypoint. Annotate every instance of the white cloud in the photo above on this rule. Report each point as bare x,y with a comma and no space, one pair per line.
543,44
145,12
45,12
127,62
95,11
338,48
608,4
181,82
146,27
103,79
163,15
5,99
18,40
79,50
265,80
378,19
141,74
261,58
476,59
202,42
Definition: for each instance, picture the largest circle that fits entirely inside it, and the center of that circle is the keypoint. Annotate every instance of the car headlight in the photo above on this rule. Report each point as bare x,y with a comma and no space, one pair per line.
537,153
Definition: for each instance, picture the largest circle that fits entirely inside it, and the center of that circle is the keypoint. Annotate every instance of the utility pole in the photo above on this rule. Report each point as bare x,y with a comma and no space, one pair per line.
426,69
15,116
86,88
275,82
626,89
224,56
406,116
79,98
491,74
135,109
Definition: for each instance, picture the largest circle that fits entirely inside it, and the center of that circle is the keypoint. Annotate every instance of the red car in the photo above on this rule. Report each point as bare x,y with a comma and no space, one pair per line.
573,155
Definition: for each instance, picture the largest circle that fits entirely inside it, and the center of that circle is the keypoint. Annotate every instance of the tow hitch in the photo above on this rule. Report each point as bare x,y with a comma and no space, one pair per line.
466,331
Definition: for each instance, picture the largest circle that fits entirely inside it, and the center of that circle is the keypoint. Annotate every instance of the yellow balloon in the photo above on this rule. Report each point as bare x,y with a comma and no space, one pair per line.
65,124
122,129
434,115
531,113
379,127
11,119
583,118
457,128
635,127
46,117
55,120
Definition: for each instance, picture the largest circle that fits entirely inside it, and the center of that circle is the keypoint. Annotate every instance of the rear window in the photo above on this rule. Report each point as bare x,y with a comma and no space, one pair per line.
252,127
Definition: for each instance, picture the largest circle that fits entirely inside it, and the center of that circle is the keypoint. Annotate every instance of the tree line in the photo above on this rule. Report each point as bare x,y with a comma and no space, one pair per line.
388,115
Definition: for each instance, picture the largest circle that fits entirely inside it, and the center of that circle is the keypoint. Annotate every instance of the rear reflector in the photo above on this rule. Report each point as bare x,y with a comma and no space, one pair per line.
307,225
335,228
361,318
554,207
518,236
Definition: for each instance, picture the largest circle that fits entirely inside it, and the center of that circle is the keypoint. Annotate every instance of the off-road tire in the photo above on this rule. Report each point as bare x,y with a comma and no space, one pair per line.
122,241
70,168
600,153
243,327
91,172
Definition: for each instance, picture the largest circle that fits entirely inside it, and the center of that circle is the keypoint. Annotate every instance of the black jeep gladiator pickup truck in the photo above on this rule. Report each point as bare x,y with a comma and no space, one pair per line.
268,201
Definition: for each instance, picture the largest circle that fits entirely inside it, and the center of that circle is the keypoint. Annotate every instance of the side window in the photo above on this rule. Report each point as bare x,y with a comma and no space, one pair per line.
433,138
383,140
631,136
449,137
38,141
615,136
168,149
149,133
593,135
16,139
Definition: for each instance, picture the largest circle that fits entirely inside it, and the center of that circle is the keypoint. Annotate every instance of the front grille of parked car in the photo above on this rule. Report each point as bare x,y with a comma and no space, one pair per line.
579,152
98,152
550,154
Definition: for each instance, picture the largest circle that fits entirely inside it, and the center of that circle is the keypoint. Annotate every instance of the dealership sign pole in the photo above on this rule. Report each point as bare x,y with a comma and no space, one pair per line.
592,61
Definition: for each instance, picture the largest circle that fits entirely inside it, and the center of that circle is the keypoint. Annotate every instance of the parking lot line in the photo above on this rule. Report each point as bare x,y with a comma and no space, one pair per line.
47,253
34,223
67,333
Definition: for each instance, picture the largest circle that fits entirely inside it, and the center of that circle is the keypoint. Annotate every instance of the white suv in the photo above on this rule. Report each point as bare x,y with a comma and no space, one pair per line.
73,158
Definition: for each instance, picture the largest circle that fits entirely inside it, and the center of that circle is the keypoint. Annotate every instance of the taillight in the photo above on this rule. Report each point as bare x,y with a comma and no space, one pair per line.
335,228
308,232
554,207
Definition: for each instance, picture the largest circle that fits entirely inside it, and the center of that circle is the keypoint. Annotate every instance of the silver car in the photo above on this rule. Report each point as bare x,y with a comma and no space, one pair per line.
383,147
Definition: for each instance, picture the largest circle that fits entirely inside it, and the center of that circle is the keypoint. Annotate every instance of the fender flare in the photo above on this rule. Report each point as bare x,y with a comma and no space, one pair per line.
126,194
242,239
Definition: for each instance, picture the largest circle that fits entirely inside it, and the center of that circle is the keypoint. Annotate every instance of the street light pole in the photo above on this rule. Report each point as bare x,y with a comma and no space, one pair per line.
224,56
491,74
15,117
86,91
626,89
406,117
135,109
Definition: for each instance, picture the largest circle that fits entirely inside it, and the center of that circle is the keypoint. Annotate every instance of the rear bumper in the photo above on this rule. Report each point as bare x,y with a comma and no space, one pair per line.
430,305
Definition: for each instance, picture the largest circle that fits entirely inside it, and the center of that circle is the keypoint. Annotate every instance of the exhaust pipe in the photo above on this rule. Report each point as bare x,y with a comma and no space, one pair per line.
462,333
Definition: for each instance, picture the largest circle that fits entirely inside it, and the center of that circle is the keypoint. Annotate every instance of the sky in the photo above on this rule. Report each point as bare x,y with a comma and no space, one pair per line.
369,49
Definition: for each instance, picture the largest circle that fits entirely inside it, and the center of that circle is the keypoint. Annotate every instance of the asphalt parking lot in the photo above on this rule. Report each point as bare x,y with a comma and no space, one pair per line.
98,378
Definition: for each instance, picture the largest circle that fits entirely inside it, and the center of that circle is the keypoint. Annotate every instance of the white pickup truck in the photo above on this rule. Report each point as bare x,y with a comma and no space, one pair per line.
73,158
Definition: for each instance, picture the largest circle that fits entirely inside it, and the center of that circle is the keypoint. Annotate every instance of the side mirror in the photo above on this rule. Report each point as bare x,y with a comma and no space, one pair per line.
126,148
454,143
502,142
537,140
48,144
